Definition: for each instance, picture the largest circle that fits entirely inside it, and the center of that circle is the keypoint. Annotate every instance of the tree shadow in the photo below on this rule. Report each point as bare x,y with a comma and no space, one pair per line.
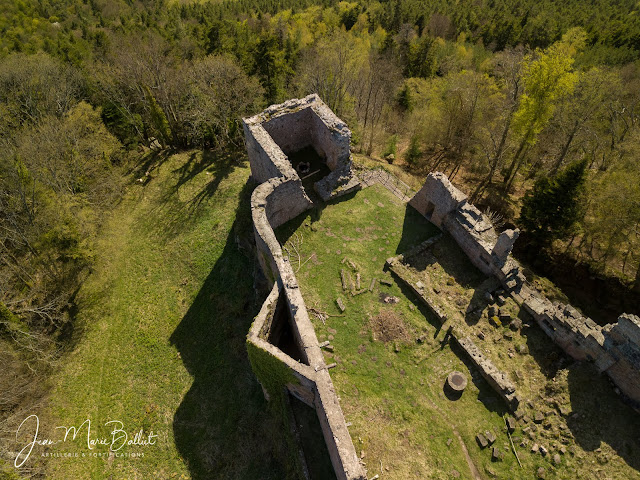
150,161
178,214
222,428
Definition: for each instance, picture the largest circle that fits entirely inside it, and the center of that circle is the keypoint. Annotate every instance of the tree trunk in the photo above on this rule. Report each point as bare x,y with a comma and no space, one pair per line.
565,148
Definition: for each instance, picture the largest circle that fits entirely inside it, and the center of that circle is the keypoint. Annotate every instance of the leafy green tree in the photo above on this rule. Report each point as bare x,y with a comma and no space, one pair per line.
547,77
555,205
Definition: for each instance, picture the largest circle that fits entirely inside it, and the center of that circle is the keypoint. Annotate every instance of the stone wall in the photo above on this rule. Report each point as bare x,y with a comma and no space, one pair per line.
447,208
614,349
497,379
283,129
279,198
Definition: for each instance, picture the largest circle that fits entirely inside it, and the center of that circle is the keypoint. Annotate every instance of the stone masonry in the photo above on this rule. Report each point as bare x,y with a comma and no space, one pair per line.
283,129
279,197
448,209
614,349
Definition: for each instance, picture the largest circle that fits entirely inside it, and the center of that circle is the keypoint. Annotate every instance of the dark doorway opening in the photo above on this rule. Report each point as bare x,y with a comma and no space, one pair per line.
282,334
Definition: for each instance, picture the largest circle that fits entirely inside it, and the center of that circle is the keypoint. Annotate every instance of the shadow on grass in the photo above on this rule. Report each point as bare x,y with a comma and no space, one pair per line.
486,394
415,229
599,415
222,427
314,214
177,214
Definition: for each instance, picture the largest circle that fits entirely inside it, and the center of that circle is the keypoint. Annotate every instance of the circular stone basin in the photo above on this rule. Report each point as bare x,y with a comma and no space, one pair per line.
457,381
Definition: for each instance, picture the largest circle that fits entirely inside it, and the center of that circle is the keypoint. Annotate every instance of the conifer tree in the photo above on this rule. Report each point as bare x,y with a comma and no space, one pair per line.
553,207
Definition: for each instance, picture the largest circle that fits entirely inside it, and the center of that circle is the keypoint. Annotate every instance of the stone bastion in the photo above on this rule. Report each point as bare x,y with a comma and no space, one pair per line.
283,348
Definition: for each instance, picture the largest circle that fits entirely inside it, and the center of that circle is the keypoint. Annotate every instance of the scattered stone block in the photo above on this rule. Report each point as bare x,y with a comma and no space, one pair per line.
534,448
496,321
516,324
353,265
343,277
492,311
501,300
543,450
358,281
523,349
505,318
419,285
565,410
490,472
328,348
556,459
519,414
497,455
324,344
386,281
331,365
481,335
563,450
449,440
372,284
538,417
490,436
541,473
488,297
482,441
340,304
511,424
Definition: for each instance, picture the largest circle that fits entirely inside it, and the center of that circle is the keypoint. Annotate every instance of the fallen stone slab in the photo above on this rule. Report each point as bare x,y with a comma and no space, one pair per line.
343,277
497,455
482,441
340,304
511,424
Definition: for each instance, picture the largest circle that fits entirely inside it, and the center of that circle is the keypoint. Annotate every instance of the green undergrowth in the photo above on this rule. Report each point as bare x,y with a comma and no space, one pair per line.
160,343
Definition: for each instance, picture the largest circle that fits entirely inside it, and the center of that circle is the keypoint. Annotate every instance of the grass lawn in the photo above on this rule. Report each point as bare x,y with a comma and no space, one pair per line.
390,384
160,346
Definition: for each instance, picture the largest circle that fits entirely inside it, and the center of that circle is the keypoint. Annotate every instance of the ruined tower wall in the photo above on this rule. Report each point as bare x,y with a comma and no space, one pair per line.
279,198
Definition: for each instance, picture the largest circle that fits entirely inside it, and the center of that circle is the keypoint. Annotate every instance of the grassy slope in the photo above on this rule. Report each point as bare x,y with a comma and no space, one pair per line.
165,314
